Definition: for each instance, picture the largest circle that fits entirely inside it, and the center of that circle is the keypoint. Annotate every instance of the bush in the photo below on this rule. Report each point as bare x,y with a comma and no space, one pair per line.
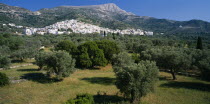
82,99
4,62
4,80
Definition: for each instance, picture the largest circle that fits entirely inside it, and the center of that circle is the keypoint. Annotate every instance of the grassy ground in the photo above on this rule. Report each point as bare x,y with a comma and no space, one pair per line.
18,62
185,90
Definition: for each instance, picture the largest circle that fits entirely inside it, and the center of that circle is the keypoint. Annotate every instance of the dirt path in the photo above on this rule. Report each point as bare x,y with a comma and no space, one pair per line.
17,66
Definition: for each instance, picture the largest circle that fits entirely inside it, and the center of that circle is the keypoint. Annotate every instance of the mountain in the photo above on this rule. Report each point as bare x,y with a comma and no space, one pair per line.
105,15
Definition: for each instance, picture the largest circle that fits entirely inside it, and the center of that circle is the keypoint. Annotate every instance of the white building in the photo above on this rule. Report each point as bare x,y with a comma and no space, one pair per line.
28,32
52,31
81,27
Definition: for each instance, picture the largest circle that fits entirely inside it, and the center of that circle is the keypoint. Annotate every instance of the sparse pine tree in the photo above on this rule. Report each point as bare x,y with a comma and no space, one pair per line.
199,43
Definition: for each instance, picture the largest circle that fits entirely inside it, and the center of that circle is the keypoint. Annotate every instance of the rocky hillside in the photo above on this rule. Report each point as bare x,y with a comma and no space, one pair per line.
106,15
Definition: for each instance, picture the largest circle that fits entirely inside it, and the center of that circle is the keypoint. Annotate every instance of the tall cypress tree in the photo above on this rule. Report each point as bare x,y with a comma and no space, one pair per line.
199,44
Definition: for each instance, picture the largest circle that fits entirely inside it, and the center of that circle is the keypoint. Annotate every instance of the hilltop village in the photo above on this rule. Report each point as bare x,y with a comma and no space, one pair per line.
75,26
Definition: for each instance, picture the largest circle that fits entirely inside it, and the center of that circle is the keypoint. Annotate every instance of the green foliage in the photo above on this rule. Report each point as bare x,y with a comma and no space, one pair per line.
84,60
121,60
136,57
13,42
61,64
4,62
24,53
204,65
67,45
41,59
82,99
90,55
4,80
5,50
137,80
109,48
169,58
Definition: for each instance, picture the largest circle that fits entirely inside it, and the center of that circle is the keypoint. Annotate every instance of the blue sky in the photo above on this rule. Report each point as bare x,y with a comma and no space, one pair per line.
169,9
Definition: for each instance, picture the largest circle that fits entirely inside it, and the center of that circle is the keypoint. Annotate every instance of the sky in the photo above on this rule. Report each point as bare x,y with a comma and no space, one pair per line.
180,10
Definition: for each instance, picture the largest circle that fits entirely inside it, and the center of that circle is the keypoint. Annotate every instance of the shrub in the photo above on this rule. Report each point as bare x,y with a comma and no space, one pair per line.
4,80
82,99
4,62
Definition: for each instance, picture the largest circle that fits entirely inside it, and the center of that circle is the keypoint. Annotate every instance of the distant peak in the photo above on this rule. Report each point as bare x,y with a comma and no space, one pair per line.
110,7
110,4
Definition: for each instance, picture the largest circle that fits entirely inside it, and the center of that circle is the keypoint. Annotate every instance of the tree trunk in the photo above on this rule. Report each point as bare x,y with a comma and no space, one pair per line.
173,74
40,68
134,98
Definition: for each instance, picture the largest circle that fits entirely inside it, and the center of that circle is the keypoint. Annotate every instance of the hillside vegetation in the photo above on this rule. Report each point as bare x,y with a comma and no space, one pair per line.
106,15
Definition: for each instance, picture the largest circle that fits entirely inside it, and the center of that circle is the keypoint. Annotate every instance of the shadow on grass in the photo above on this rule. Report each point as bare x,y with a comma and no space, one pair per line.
161,78
28,70
188,85
16,61
95,68
108,99
39,77
100,80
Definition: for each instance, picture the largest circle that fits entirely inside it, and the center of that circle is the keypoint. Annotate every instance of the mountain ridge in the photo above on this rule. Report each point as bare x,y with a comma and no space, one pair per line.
105,15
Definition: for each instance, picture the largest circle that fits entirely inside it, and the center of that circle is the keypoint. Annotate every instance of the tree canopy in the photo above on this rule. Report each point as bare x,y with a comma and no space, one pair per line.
137,80
90,55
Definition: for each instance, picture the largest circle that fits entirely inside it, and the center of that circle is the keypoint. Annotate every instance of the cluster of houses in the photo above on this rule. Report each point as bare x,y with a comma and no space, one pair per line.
69,26
12,25
75,26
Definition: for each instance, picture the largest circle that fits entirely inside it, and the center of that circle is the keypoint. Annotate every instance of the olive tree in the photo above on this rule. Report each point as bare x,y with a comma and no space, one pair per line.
120,60
136,80
172,59
60,64
176,61
41,59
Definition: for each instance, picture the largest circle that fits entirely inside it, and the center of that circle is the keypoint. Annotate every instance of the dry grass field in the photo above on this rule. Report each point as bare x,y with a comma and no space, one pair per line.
32,87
